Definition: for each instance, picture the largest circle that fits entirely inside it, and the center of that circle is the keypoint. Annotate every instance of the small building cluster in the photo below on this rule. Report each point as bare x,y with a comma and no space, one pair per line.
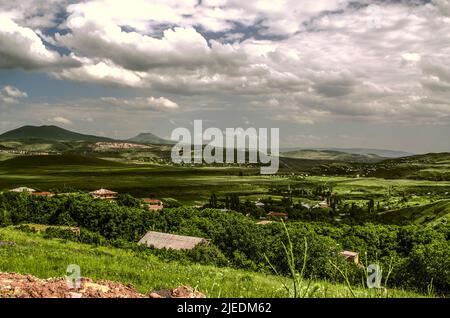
102,194
119,145
32,192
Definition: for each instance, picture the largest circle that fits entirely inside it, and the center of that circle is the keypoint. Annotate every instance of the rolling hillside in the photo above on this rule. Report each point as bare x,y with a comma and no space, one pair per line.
332,155
385,153
52,133
35,162
423,214
433,166
55,133
53,140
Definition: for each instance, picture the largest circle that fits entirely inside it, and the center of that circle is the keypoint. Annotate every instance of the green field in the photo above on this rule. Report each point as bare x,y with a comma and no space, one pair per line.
193,185
184,183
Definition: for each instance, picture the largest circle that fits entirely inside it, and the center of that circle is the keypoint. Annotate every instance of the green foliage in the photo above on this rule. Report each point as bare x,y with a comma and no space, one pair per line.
428,264
239,242
128,201
46,258
207,255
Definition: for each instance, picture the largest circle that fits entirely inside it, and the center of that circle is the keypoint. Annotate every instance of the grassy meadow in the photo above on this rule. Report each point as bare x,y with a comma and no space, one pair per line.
192,185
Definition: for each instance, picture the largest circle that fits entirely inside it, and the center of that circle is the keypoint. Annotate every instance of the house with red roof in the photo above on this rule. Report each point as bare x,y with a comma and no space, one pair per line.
277,215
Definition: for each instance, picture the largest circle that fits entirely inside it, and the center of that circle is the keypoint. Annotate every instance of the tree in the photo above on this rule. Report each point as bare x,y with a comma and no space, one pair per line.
371,206
5,218
128,200
233,202
213,201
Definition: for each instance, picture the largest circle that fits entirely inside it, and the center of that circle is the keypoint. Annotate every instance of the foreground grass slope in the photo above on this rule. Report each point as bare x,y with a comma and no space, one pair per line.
49,258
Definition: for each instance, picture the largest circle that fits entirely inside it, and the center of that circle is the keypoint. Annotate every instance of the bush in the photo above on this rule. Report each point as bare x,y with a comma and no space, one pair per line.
428,265
207,255
66,234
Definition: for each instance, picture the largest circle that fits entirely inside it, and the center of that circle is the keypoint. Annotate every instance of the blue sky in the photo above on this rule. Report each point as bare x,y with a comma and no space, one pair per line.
328,73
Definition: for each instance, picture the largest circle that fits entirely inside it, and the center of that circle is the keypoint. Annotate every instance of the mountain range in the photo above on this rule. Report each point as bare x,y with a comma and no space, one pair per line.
325,154
55,133
385,153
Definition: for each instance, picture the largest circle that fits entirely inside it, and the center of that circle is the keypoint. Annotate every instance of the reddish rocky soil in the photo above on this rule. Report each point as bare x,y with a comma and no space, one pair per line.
27,286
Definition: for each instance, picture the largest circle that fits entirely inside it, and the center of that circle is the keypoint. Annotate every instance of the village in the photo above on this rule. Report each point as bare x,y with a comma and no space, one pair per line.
160,240
118,146
28,153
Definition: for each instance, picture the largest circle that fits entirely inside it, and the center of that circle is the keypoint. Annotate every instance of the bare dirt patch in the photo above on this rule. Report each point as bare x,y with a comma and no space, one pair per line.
14,285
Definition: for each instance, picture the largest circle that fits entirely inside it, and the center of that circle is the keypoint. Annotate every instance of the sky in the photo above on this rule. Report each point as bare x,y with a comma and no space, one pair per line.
327,73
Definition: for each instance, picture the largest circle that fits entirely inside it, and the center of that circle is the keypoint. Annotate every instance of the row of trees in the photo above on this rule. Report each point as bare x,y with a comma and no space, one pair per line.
298,211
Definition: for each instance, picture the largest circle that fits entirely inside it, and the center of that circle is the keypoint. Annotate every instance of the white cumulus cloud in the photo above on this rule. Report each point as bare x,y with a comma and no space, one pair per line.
152,103
60,120
10,94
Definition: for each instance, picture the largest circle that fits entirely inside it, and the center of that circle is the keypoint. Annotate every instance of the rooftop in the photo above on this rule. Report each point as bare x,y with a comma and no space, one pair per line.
103,192
152,201
23,189
171,241
349,254
264,222
277,214
43,193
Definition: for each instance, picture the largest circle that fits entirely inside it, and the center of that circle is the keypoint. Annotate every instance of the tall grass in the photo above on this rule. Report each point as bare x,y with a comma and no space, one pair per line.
300,287
297,278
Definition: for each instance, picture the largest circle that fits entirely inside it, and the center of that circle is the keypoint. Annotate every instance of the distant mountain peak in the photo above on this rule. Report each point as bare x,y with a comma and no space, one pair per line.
150,138
49,132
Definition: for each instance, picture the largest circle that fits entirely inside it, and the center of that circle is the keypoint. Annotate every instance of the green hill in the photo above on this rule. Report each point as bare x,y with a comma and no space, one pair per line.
48,133
386,153
432,166
149,138
418,215
430,158
313,154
